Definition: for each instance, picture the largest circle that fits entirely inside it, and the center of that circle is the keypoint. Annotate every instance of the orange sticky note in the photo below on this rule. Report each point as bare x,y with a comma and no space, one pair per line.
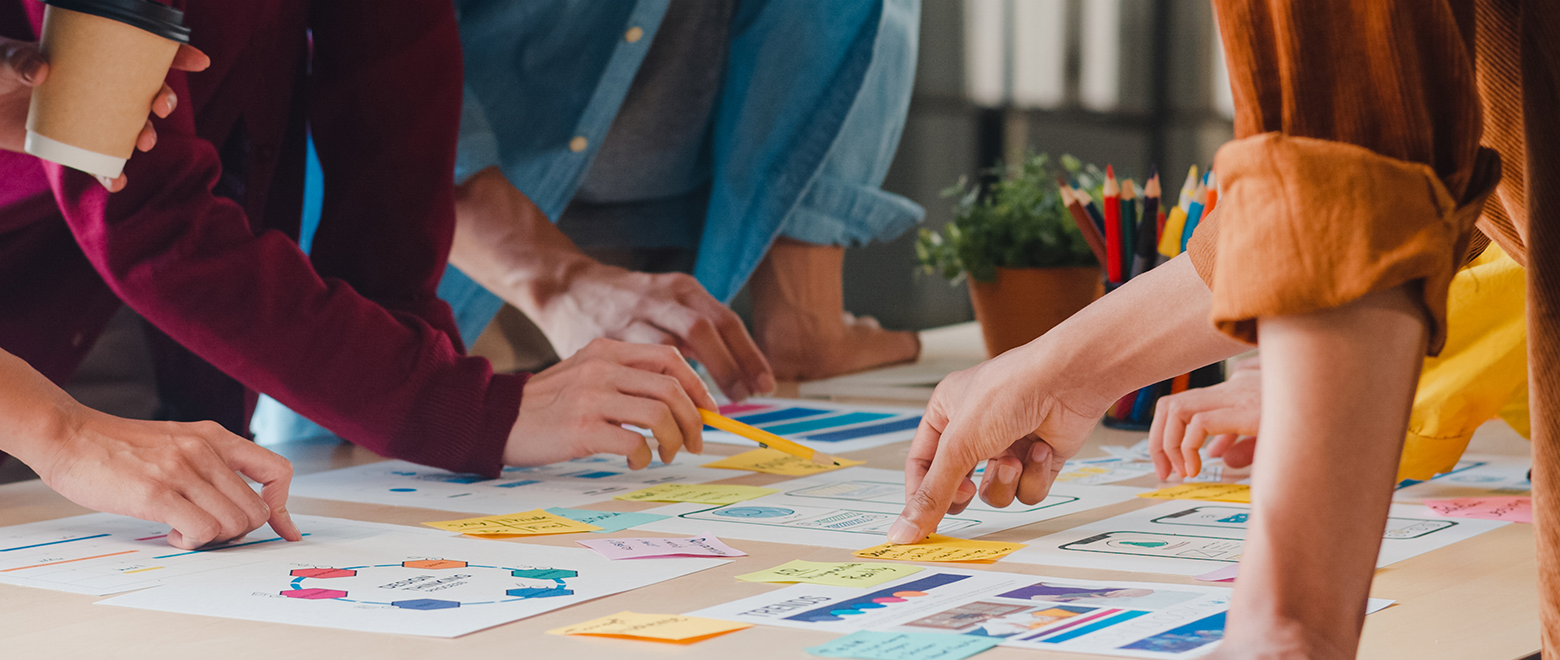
655,627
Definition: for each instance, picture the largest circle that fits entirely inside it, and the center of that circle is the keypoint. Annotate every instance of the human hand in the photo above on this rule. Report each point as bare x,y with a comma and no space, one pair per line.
1229,411
1006,411
671,309
180,474
22,68
578,407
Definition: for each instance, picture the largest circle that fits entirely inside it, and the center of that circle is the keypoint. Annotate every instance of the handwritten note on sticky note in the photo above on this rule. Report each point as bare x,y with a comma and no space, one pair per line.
528,523
608,521
1514,509
941,548
698,546
836,574
1205,492
904,646
698,493
774,461
658,627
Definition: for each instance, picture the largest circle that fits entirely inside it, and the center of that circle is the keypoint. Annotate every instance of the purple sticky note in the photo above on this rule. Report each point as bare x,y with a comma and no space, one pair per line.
699,546
1512,509
1226,574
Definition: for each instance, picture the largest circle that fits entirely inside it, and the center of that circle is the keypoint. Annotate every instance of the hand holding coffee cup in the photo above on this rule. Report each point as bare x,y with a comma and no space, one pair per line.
106,60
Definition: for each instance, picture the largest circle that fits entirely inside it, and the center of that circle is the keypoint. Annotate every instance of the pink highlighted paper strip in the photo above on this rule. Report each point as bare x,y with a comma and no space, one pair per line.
739,408
699,546
1226,574
1511,508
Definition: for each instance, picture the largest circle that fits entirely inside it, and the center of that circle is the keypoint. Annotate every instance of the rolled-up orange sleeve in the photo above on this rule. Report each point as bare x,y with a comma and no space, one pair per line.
1357,165
1306,224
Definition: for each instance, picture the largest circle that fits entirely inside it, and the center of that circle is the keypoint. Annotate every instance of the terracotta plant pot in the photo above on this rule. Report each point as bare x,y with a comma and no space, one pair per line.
1023,303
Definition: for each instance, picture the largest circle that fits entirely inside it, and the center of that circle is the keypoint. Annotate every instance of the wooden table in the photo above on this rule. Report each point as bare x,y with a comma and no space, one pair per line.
1474,599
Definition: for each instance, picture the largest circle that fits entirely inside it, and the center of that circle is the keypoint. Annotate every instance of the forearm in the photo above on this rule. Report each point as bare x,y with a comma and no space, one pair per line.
1155,327
35,414
1336,383
503,242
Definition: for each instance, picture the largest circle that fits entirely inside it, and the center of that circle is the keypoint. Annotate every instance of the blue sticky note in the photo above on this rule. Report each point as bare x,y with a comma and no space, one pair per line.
608,521
904,646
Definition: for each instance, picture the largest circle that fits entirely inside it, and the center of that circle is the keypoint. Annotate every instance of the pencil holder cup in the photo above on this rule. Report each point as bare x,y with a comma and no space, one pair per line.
1135,411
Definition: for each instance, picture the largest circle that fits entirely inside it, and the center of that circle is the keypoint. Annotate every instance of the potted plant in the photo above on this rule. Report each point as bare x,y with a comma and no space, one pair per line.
1027,265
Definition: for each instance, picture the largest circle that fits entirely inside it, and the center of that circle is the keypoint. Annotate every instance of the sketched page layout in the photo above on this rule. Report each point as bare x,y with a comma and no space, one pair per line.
854,507
1185,537
568,484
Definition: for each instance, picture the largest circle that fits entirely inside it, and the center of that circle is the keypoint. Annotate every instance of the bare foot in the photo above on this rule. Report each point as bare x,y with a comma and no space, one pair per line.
800,322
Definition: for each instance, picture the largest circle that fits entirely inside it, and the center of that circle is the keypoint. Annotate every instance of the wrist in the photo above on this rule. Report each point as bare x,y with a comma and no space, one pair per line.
43,427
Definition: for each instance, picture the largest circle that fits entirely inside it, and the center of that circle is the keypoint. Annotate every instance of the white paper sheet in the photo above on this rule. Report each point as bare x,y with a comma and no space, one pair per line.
828,427
1475,475
853,508
1133,619
100,554
570,484
1191,538
408,583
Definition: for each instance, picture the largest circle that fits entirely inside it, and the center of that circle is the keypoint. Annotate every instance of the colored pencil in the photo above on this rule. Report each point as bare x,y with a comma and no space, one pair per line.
765,438
1170,239
1187,188
1112,195
1212,181
1087,200
1081,218
1194,214
1128,226
1145,242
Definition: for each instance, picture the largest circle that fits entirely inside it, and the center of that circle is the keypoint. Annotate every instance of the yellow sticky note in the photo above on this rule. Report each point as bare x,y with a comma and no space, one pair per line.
700,493
836,574
1209,492
941,548
774,461
658,627
528,523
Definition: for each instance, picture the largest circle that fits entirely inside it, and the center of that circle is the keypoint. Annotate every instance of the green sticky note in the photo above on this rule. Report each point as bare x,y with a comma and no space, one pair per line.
608,521
834,574
904,646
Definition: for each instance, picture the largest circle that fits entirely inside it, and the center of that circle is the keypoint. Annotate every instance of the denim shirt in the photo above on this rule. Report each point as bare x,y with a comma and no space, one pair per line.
808,119
805,126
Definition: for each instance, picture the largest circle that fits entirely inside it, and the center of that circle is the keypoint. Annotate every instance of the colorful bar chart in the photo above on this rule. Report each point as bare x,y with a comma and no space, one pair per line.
821,425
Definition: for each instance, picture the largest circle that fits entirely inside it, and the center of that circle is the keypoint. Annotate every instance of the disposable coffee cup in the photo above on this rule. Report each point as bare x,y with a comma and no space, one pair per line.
107,61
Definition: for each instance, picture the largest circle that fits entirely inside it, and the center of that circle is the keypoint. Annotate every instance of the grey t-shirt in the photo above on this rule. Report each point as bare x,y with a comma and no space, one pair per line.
646,186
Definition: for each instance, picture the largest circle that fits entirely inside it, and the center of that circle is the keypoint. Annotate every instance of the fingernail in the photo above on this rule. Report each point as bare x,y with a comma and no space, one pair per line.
107,182
1007,473
738,392
766,383
1040,453
173,102
962,497
903,532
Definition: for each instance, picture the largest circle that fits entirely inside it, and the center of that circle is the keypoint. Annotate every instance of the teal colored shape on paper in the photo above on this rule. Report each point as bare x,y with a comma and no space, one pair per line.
904,646
608,521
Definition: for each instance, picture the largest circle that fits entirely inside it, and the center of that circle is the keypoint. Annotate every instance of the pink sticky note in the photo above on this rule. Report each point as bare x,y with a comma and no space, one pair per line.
1226,574
1511,508
699,546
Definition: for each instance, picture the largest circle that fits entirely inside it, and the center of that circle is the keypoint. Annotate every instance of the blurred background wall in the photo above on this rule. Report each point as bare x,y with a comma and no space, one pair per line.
1128,82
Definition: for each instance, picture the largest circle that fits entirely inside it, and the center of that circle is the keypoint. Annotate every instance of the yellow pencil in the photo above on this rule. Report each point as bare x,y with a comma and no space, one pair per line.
765,438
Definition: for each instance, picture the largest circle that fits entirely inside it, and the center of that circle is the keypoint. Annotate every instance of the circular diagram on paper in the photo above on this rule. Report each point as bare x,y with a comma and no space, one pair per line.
428,584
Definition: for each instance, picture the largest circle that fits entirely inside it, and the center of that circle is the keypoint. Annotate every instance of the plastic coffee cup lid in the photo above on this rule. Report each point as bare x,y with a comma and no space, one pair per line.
156,18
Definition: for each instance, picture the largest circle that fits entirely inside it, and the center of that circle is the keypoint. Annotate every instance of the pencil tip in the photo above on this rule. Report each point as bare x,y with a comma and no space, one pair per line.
1110,171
